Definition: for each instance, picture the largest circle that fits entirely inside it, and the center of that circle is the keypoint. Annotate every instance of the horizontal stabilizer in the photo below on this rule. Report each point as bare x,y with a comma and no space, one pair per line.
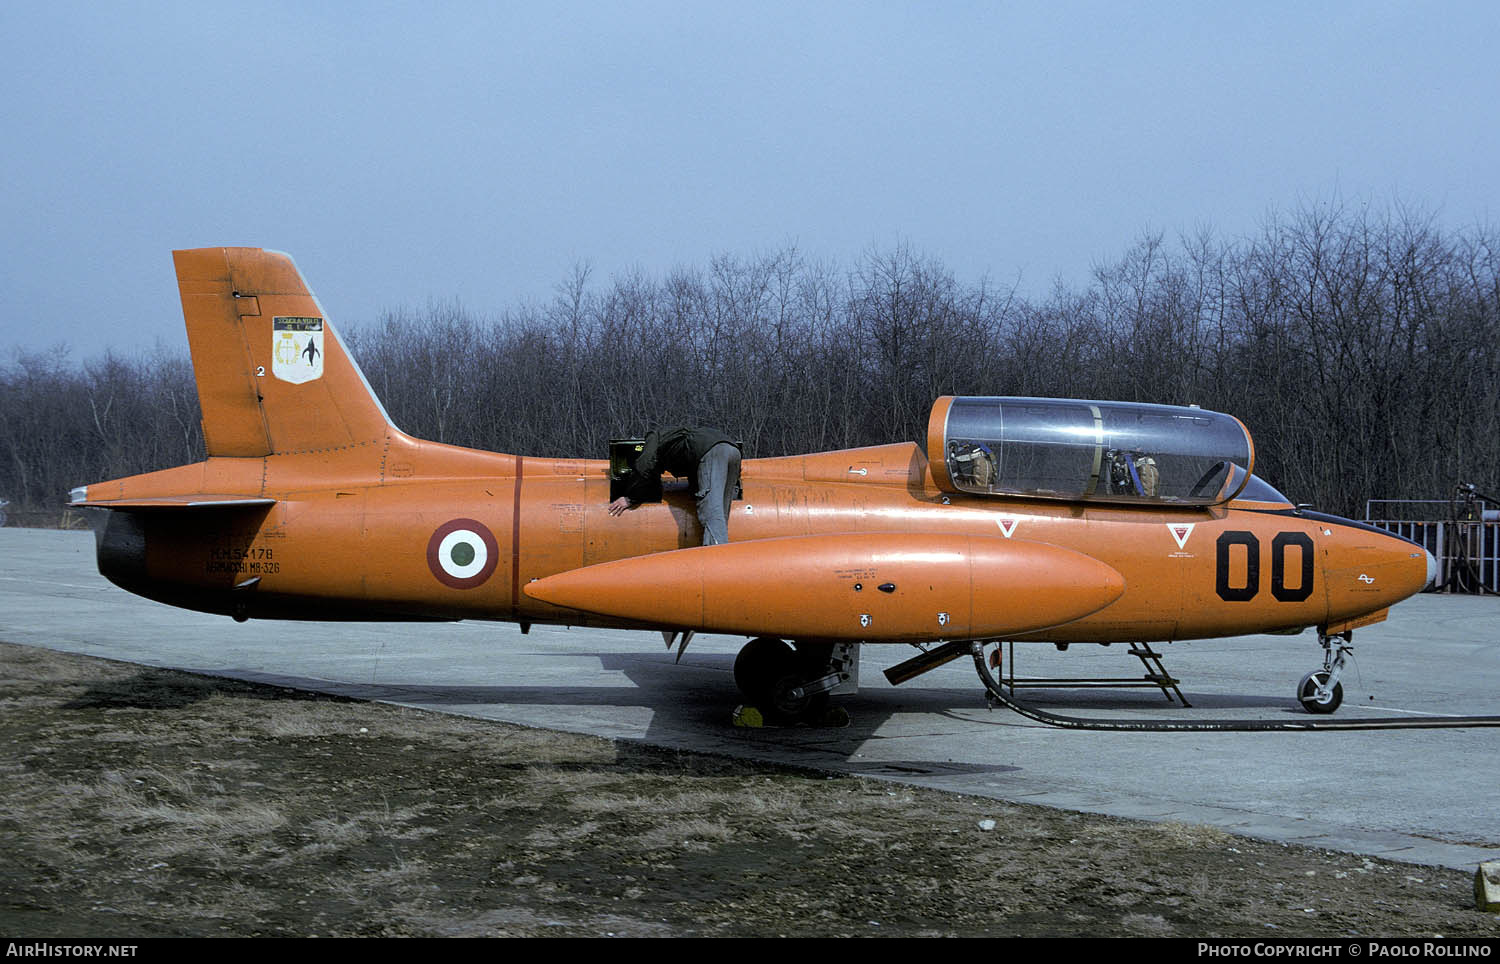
884,586
81,500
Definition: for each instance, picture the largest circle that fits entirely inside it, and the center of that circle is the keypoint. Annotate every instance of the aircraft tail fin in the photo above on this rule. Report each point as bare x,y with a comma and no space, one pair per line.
273,377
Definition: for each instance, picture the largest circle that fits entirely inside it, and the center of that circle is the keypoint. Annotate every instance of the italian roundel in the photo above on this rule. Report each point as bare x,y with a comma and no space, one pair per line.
462,554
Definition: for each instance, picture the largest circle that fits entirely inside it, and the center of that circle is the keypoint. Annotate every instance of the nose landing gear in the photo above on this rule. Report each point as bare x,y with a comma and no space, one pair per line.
1320,691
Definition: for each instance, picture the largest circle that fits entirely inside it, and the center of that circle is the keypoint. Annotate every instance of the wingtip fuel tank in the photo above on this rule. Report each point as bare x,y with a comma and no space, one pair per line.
847,586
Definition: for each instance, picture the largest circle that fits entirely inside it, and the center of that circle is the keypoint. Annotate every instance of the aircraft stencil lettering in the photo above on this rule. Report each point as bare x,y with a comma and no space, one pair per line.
372,523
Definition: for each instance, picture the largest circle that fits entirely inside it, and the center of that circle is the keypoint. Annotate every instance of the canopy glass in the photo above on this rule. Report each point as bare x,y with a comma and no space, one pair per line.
1056,448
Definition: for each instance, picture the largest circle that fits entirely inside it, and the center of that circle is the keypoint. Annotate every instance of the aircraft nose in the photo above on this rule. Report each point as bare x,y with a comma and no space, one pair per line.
1432,571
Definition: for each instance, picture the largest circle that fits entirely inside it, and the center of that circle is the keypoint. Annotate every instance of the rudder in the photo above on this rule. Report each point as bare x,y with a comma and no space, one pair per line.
273,377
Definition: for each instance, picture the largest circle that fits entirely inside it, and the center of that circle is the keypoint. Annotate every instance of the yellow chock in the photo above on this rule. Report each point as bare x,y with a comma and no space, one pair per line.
748,716
1487,886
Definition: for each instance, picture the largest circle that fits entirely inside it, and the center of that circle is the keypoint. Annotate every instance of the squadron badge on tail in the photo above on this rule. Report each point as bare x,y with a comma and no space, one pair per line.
297,349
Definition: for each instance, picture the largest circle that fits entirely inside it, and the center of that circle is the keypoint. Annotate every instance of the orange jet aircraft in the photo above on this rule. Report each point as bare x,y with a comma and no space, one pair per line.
1022,519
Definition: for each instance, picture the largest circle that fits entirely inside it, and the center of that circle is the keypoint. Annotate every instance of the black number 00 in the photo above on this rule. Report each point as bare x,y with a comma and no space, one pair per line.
1248,591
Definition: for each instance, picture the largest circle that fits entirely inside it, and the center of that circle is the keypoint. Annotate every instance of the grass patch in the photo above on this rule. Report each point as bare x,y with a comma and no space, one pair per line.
152,803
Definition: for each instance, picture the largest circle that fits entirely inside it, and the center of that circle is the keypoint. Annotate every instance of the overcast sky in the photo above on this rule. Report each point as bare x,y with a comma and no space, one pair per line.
410,152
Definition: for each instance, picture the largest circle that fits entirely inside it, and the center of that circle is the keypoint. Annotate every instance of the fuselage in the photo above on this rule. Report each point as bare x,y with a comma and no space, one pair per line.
418,530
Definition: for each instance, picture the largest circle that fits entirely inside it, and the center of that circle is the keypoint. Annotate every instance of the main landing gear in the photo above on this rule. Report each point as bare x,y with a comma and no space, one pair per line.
1320,691
791,683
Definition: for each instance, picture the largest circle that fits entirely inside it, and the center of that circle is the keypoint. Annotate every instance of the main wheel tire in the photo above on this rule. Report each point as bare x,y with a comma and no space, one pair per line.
760,663
1307,693
770,673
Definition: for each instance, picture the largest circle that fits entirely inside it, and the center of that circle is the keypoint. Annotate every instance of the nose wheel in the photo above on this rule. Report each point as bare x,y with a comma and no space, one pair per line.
1320,691
1316,696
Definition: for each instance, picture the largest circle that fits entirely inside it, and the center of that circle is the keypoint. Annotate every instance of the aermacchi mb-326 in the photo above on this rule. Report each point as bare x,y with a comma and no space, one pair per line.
1020,519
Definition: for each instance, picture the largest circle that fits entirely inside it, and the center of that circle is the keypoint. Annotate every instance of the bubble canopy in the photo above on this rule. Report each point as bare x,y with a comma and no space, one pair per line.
1062,448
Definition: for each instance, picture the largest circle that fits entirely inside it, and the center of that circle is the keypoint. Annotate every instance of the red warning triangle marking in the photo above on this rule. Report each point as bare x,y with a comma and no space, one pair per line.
1007,524
1180,532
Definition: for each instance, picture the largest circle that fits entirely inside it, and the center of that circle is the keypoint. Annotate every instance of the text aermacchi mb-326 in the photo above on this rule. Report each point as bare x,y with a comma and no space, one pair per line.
1020,519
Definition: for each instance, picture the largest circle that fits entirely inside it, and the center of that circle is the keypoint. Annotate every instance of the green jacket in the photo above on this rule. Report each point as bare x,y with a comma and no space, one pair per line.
676,450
